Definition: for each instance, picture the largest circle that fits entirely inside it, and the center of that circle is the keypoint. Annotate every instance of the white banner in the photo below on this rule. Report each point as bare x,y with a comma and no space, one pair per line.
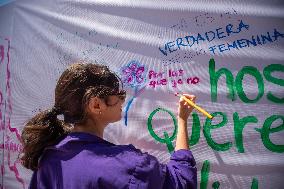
229,54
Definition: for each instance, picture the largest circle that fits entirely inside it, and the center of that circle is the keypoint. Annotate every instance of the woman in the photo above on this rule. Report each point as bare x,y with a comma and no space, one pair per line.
72,153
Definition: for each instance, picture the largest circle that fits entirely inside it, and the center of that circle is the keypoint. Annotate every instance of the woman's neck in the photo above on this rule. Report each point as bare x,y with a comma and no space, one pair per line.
90,127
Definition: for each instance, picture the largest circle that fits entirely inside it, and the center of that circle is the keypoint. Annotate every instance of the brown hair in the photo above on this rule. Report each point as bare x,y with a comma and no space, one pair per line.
77,84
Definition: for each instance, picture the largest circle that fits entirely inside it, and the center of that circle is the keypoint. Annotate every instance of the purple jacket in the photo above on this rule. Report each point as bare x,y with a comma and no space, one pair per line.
82,160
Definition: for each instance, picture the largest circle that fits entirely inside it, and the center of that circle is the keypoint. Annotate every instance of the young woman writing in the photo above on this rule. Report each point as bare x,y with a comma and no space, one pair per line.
72,154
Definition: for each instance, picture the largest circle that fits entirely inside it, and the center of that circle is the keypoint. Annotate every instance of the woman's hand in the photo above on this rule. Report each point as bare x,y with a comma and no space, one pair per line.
184,111
184,108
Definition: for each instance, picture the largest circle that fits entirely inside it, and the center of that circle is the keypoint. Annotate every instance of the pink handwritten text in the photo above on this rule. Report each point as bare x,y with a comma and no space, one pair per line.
174,77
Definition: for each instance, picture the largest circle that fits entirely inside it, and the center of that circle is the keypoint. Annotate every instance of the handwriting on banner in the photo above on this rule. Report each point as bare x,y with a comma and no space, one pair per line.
135,75
7,131
200,20
4,58
65,38
239,123
207,18
255,40
3,44
174,77
84,54
191,41
184,24
205,173
271,125
2,108
235,86
184,57
12,146
208,36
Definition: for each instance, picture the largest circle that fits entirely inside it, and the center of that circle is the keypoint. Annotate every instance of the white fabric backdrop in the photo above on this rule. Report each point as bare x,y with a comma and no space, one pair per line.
158,48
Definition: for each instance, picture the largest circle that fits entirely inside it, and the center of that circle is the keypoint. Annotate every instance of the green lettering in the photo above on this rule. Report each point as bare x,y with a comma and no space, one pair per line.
204,174
216,185
266,130
167,140
239,85
254,184
214,77
208,127
267,74
239,125
195,130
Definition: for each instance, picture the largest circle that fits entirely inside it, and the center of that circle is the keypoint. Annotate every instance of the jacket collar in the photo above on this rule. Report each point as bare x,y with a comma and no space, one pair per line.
79,137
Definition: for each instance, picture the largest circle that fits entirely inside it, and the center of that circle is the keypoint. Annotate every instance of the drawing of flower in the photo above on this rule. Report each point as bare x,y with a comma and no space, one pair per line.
133,74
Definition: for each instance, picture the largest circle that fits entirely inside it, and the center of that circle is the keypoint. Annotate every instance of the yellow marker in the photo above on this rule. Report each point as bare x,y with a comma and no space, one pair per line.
195,106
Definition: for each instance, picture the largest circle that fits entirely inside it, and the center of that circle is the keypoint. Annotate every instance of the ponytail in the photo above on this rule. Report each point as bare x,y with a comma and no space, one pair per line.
43,130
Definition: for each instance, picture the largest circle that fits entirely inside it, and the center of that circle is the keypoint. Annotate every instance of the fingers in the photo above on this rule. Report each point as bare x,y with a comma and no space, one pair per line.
188,96
184,104
184,107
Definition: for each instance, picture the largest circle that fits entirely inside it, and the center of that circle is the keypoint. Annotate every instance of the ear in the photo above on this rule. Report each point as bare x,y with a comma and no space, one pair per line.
96,105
